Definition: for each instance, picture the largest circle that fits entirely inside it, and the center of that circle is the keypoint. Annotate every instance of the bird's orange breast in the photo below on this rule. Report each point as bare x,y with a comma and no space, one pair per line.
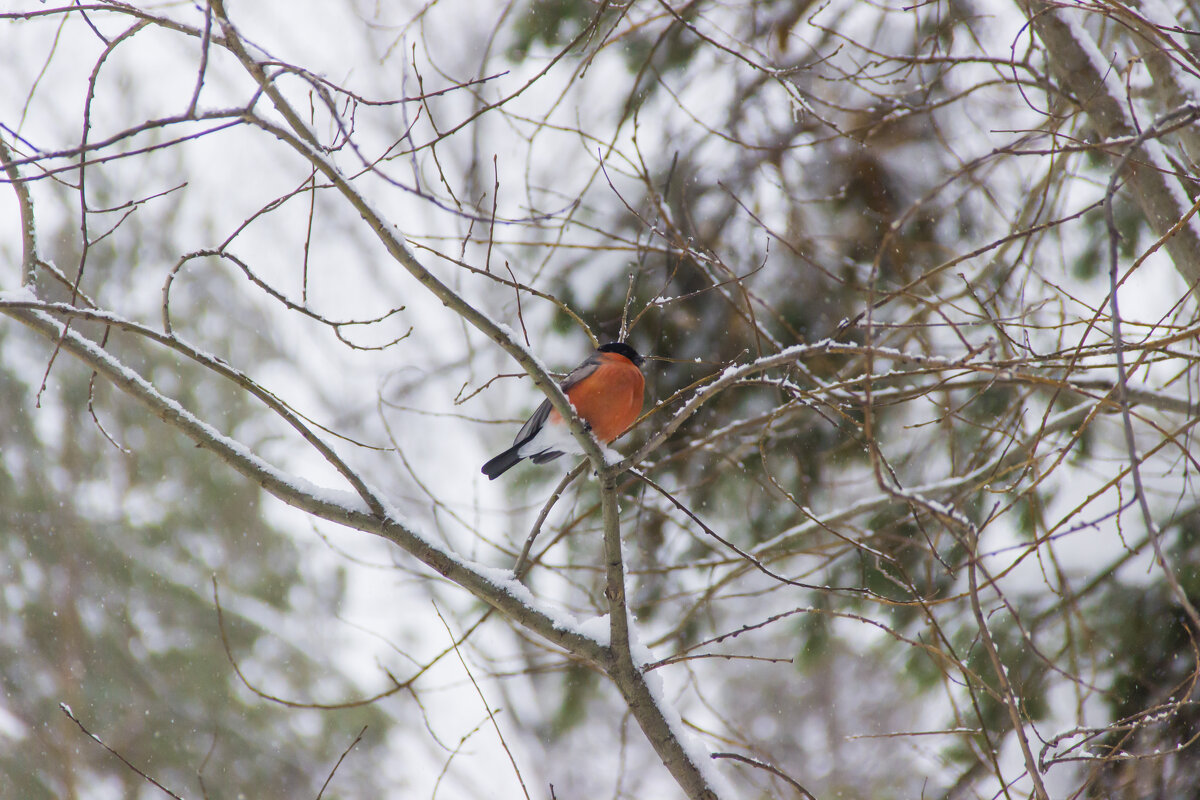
609,399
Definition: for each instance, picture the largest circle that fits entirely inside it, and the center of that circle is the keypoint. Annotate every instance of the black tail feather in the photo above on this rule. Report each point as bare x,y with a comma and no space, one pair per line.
544,456
502,463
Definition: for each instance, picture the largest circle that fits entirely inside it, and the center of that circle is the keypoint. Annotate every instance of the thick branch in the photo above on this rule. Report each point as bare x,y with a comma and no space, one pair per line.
1084,71
28,231
623,664
505,595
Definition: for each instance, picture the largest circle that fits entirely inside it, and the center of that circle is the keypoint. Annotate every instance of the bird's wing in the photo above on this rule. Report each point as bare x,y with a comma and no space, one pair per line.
538,418
533,424
590,365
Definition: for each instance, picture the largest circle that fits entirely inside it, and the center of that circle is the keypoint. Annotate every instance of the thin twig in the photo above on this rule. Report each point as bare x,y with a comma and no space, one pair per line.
342,758
754,762
495,725
66,709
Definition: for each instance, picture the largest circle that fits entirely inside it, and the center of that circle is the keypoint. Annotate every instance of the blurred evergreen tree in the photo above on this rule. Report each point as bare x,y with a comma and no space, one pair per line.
114,526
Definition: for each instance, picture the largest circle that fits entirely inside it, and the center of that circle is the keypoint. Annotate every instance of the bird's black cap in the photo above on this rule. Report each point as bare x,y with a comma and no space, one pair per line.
622,349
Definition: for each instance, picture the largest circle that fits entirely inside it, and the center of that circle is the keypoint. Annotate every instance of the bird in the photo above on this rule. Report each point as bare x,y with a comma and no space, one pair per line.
606,391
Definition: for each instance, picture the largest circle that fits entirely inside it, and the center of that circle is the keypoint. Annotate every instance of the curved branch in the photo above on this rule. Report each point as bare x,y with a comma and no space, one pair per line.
208,361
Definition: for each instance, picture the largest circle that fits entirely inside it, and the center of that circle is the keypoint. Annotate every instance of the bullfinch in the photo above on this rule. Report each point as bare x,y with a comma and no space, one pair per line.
605,391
